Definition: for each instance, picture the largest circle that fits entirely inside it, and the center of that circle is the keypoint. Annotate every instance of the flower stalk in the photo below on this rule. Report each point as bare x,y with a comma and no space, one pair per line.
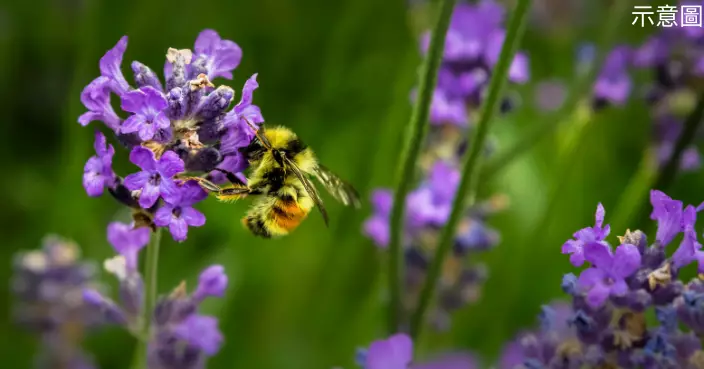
467,186
150,289
583,88
415,136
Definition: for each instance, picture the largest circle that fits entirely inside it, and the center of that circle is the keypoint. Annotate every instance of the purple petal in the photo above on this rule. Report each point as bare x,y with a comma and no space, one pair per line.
393,353
207,41
163,215
100,144
614,89
170,164
143,158
689,217
382,200
699,255
377,228
201,332
247,94
575,248
154,99
599,216
127,241
133,124
93,181
191,193
687,250
133,101
136,181
626,261
211,282
253,114
178,229
599,255
147,130
619,288
170,191
519,71
597,295
590,277
193,217
110,66
96,95
149,195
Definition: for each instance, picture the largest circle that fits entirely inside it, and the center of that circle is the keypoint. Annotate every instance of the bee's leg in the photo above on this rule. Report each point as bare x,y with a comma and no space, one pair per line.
206,184
231,177
233,192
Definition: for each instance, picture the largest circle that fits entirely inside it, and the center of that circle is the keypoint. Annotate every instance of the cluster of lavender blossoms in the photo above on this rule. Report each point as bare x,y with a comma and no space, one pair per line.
179,337
473,42
606,324
47,284
179,127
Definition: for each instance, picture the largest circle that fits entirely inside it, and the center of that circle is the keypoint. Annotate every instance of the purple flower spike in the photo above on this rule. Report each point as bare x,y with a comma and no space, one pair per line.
155,178
446,110
128,242
396,352
219,57
212,282
668,213
609,271
178,213
589,234
377,227
110,67
202,332
148,106
97,173
96,98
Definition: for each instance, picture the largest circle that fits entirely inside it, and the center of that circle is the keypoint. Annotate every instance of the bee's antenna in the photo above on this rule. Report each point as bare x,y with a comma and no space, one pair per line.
261,138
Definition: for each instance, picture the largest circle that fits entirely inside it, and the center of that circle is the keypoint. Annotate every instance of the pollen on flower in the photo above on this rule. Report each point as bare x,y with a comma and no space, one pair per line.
117,266
172,55
660,277
200,82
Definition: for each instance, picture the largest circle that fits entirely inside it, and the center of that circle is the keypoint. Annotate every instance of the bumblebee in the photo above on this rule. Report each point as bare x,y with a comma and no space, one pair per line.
284,195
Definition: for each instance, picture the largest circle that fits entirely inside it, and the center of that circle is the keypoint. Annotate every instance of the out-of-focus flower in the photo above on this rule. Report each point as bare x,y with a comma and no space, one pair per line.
179,337
47,284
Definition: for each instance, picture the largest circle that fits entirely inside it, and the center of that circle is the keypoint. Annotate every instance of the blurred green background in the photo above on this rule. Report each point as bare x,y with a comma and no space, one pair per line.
339,73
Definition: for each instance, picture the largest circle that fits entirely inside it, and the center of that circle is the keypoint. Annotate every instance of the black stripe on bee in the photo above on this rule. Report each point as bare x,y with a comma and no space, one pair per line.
294,147
257,227
275,178
253,151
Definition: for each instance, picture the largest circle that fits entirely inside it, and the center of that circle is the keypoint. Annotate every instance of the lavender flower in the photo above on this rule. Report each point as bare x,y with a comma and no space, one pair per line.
427,209
607,325
47,285
608,276
147,105
597,233
97,173
155,179
181,125
396,352
178,212
180,337
472,48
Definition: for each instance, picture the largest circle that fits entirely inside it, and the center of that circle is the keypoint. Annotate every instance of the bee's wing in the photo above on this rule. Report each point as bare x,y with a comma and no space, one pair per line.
310,188
339,189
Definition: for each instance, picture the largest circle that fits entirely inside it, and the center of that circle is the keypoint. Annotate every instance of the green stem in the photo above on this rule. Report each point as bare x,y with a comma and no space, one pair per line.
150,295
415,136
582,88
467,186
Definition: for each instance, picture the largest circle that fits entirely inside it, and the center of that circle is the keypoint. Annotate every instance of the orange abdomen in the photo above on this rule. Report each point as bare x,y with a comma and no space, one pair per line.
287,215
